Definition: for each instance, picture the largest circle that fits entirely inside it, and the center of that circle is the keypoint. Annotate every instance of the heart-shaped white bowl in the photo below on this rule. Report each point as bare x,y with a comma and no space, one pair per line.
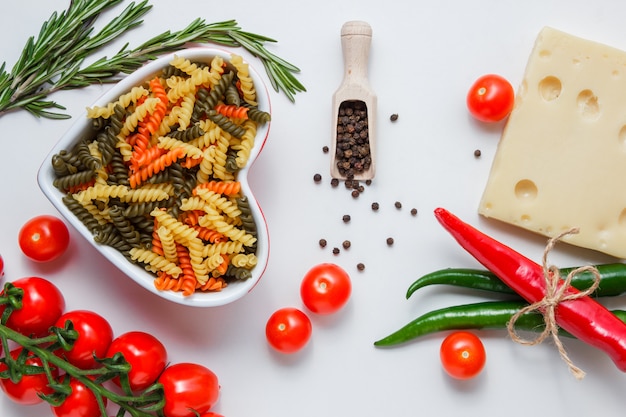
83,128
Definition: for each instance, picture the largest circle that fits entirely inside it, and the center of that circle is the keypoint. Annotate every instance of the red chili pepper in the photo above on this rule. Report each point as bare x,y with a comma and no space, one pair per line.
582,317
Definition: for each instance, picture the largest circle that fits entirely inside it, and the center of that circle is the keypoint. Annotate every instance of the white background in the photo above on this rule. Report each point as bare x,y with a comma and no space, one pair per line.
424,57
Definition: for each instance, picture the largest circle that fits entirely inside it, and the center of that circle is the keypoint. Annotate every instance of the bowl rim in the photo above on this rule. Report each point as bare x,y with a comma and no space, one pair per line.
139,275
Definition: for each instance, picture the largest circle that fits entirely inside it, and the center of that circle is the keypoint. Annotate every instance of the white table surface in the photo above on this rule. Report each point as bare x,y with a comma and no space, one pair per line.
424,57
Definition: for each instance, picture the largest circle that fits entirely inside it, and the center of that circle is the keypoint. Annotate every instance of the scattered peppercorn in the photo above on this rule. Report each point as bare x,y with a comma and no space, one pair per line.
346,244
355,193
398,205
334,182
317,177
360,266
477,153
325,149
389,241
368,182
375,206
323,243
393,117
413,212
336,251
346,218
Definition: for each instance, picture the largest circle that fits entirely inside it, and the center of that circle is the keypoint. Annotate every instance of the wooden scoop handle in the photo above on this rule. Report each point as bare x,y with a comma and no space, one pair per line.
356,38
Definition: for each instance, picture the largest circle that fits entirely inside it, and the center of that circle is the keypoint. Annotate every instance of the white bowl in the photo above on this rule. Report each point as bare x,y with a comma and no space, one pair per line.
236,289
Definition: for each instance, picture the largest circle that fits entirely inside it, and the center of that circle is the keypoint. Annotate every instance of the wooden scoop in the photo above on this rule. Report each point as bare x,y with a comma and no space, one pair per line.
354,91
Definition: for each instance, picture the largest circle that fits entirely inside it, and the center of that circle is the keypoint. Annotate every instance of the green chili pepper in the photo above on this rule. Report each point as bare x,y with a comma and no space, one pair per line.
612,283
483,315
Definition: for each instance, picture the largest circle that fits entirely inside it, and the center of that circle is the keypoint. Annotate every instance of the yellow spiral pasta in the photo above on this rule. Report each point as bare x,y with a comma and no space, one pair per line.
167,244
219,202
246,83
145,194
101,192
223,248
191,151
125,100
155,261
246,144
243,260
183,64
140,113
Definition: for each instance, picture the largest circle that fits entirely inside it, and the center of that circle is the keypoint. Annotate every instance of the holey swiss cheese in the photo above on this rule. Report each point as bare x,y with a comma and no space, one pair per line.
561,160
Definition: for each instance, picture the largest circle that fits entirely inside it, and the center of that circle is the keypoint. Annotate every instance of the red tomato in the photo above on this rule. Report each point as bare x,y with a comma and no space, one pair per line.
288,330
44,238
26,390
1,266
42,305
80,403
211,414
326,288
94,337
188,389
145,354
491,98
462,355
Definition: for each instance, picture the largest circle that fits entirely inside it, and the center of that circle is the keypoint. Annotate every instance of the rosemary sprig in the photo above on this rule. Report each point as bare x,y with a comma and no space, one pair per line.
54,59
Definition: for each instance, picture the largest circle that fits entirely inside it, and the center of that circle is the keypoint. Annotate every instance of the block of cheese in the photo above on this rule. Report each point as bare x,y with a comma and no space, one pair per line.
561,160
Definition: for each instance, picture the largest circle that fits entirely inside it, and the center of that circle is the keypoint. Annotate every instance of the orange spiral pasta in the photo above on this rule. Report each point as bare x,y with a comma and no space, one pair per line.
213,284
210,235
229,188
165,282
189,281
155,166
231,110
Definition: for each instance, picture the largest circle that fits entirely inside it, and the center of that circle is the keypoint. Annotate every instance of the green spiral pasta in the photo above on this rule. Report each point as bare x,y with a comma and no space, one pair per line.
259,116
124,226
188,134
69,181
226,124
81,213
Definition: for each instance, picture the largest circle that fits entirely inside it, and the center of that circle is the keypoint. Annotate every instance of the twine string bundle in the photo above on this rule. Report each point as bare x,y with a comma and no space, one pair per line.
547,306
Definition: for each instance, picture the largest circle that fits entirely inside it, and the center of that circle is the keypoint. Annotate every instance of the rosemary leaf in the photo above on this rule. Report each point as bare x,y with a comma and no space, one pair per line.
54,59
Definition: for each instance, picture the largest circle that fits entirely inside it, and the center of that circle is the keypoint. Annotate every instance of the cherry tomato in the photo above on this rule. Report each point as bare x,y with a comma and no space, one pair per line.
211,414
188,388
42,305
325,288
26,391
491,98
44,238
1,266
145,354
95,334
288,330
80,403
462,355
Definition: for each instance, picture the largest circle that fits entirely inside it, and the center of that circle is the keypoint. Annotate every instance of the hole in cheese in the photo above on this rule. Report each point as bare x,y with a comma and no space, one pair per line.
621,137
550,88
622,218
525,190
588,104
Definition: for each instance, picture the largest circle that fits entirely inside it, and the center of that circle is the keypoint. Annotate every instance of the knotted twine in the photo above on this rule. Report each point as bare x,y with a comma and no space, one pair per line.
554,295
